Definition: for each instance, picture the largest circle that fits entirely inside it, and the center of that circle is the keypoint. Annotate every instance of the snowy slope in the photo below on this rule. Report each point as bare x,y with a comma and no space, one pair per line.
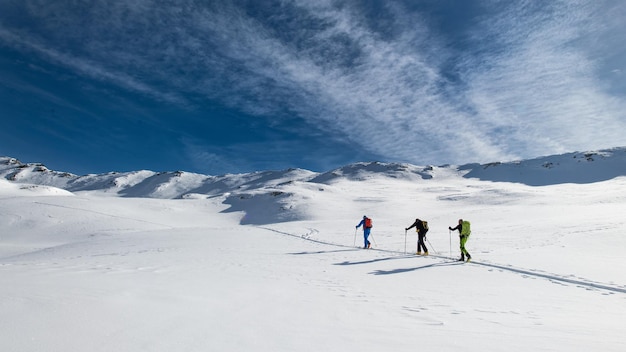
271,261
586,167
576,167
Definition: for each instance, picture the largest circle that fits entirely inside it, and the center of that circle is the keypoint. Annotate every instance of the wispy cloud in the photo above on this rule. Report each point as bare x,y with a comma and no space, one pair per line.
247,156
85,67
531,90
525,83
537,89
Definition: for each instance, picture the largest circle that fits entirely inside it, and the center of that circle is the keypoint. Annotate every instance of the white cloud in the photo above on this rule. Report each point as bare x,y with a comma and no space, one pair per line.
87,68
391,103
527,86
536,93
540,87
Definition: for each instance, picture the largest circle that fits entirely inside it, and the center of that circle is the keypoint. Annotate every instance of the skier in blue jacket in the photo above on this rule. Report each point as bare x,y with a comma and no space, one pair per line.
367,226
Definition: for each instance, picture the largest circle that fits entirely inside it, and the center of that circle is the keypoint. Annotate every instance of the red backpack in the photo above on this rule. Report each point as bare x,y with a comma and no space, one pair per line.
368,223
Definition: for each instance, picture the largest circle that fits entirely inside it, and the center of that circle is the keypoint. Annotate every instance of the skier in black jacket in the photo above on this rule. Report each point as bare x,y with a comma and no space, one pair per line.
421,233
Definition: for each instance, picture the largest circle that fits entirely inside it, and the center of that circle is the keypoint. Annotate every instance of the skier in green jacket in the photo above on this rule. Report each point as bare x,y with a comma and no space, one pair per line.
464,233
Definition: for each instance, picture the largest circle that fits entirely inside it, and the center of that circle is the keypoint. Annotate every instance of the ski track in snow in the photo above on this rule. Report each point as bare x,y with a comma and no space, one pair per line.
582,283
105,214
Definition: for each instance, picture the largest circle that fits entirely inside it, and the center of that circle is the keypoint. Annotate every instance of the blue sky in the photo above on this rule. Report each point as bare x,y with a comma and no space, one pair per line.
236,86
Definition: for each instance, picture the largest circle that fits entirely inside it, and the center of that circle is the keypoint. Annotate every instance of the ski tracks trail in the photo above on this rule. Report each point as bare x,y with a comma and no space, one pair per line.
442,261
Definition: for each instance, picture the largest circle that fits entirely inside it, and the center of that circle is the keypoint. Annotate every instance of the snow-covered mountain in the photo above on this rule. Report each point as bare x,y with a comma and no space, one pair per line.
278,196
578,167
272,261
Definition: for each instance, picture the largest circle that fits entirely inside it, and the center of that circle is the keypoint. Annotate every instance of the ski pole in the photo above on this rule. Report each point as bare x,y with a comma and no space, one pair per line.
373,239
404,241
355,237
431,246
450,236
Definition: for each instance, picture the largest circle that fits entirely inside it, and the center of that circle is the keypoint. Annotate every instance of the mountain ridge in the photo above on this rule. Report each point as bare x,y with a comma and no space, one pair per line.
576,167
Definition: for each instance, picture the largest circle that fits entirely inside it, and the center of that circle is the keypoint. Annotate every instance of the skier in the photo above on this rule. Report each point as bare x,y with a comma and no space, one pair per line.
464,233
367,226
421,227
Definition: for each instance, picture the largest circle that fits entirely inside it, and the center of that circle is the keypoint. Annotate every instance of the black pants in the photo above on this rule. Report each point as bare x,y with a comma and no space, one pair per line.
420,243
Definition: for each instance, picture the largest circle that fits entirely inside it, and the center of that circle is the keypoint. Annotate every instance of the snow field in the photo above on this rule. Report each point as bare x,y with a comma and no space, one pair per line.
88,271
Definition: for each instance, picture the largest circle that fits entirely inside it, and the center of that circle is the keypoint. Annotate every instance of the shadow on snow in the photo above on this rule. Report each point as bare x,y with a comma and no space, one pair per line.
406,270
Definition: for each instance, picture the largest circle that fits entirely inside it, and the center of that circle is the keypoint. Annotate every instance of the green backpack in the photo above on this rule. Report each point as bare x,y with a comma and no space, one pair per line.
465,228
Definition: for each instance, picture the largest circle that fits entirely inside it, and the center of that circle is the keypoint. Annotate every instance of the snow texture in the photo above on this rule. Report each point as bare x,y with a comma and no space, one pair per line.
271,261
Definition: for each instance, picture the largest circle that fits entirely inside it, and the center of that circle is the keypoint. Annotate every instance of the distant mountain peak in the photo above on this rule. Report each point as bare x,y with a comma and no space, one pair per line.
577,167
